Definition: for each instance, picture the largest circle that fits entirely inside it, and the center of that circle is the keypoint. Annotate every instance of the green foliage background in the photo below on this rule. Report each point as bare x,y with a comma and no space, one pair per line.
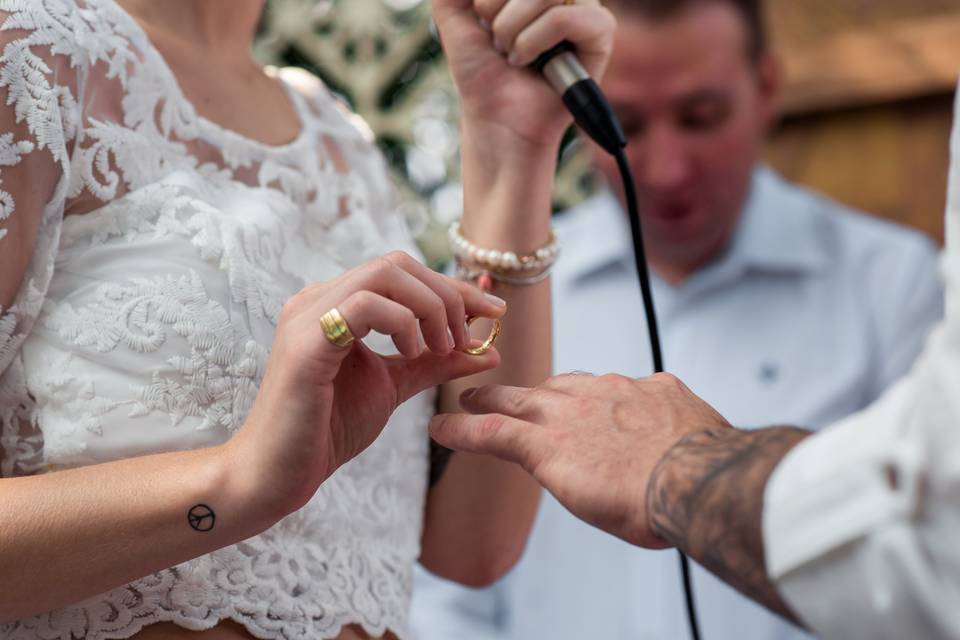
384,58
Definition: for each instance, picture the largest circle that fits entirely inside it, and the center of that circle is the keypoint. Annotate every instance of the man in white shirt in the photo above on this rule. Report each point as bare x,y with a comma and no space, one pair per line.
774,305
851,532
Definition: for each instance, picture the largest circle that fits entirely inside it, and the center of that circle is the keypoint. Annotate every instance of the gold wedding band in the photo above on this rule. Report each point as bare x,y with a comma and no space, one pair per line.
567,3
336,328
491,339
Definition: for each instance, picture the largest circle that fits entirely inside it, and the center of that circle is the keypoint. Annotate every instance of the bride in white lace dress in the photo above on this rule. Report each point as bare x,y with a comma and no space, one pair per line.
181,446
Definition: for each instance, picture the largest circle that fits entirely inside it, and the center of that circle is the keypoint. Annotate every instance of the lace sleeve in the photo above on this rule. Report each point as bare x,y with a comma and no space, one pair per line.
38,124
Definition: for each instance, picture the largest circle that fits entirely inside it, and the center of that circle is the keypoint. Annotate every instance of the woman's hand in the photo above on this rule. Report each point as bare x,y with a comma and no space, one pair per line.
489,45
319,404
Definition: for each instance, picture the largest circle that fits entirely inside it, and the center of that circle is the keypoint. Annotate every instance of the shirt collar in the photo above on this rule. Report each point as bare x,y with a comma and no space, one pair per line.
774,234
594,235
778,232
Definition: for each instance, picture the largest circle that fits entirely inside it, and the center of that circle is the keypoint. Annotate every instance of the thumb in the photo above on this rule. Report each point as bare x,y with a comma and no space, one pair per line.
410,377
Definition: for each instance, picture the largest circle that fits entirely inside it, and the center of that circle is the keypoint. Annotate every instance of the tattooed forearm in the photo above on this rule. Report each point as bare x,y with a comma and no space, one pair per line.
706,498
201,517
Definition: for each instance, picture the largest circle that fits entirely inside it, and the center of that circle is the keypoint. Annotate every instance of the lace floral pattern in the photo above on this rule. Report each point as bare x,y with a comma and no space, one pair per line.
163,248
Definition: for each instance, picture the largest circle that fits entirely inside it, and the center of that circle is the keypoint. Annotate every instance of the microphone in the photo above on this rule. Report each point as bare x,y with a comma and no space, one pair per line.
583,98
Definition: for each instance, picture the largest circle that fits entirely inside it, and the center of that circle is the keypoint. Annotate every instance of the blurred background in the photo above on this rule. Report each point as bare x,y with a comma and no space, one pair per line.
866,114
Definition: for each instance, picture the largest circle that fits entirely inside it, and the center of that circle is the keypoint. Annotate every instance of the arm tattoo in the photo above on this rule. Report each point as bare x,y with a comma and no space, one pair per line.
706,498
201,517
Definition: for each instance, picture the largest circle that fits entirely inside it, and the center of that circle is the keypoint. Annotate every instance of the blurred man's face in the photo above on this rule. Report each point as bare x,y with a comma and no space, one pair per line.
695,109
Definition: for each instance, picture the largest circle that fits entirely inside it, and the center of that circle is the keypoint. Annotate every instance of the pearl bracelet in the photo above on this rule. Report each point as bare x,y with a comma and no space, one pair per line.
505,263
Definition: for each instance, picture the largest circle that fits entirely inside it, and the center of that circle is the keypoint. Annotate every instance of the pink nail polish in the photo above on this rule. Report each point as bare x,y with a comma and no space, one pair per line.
500,302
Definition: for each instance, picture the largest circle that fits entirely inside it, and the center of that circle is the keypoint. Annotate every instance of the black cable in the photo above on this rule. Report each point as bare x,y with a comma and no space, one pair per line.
643,274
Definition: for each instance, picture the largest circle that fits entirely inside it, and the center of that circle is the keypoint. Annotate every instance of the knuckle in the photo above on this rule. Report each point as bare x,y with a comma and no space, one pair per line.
666,379
381,266
561,21
437,307
290,308
490,427
617,383
399,258
613,379
486,9
607,17
358,302
407,317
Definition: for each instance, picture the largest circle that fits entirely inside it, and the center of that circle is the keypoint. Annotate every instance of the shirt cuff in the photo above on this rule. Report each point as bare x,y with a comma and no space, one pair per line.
839,485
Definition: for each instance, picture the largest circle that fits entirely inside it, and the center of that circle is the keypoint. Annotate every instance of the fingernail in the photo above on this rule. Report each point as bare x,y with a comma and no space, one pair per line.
450,341
484,25
421,343
514,58
492,299
469,393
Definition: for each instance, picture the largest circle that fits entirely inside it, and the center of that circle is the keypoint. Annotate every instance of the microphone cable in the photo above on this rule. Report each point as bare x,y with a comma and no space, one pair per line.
643,274
592,113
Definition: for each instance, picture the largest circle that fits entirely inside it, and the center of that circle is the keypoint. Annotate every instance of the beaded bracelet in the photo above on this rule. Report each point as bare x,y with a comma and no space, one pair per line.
503,263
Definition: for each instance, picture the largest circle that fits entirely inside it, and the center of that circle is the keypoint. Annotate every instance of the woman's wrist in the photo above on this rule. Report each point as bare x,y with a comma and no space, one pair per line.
507,192
505,148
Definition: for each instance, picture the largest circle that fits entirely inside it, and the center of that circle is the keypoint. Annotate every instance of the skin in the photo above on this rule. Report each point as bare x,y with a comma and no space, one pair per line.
307,420
695,109
645,460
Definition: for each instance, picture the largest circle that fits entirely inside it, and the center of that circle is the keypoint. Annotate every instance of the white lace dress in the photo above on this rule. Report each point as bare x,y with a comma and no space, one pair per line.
145,317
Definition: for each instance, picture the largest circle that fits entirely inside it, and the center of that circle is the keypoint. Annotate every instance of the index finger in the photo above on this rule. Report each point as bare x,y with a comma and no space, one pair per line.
493,434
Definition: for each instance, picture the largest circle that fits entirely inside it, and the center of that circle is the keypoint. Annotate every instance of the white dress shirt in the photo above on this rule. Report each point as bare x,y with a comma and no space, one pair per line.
812,312
862,521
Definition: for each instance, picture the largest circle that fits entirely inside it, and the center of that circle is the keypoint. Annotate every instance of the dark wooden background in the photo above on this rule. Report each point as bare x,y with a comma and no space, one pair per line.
869,102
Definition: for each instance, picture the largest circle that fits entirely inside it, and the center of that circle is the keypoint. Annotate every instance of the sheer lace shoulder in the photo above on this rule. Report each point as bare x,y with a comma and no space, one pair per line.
40,70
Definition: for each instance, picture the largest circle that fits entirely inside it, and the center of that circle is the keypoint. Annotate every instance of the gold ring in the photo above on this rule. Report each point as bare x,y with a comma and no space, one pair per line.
567,3
336,328
491,339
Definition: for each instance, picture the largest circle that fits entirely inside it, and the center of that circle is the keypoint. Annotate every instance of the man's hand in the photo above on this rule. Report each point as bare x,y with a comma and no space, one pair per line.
645,460
593,442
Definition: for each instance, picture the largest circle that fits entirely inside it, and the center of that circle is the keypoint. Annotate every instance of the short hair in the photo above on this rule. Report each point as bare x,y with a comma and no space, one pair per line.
751,11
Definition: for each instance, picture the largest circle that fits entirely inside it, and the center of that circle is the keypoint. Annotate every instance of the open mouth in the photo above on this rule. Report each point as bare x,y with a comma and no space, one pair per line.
672,212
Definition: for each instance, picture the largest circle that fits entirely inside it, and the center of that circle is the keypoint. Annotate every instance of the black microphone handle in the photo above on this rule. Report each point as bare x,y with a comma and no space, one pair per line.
581,95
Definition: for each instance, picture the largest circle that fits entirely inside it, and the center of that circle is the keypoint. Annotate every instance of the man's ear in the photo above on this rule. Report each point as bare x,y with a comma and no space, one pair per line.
770,78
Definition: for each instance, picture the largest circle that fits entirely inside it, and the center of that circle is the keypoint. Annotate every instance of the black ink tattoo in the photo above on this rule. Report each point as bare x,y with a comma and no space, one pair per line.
706,498
201,517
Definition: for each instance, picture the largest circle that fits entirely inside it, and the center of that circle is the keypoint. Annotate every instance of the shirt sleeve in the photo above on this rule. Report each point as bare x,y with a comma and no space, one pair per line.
908,305
861,520
38,124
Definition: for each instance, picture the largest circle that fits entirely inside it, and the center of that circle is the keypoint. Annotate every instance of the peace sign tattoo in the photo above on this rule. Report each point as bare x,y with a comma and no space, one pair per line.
201,517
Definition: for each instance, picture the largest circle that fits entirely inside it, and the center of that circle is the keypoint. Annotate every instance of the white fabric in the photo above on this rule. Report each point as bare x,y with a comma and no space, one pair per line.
861,522
145,317
810,315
